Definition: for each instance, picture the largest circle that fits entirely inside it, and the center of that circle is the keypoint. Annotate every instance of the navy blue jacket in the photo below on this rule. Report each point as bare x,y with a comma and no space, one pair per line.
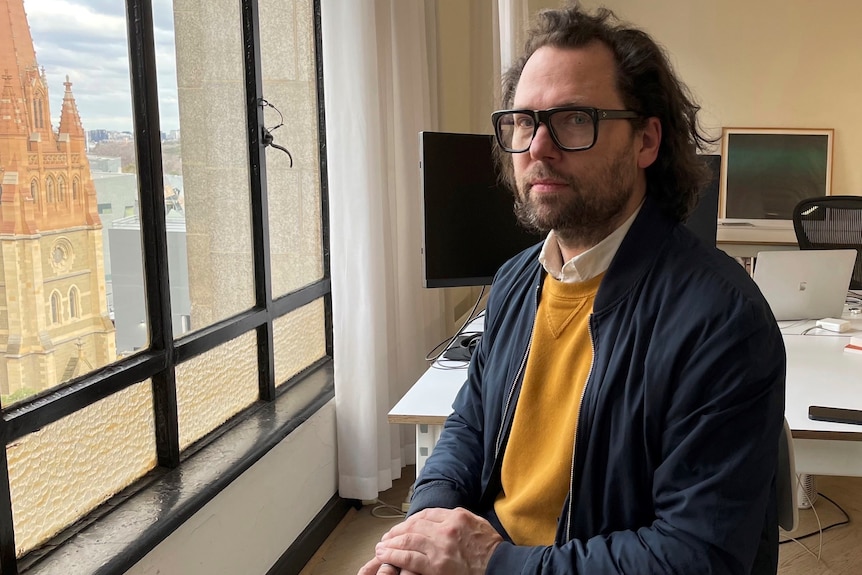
676,446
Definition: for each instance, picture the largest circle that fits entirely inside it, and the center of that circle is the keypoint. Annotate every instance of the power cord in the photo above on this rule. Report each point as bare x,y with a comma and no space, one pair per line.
436,352
383,510
782,325
266,136
820,528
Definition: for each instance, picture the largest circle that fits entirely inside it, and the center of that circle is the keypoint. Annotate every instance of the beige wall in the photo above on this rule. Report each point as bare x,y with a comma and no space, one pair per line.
464,58
763,63
465,53
767,63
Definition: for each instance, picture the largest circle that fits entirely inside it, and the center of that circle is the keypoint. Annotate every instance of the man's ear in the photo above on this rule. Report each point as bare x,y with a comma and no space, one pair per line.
650,140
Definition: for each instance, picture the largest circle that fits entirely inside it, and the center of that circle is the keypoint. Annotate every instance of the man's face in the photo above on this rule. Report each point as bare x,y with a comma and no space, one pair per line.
582,196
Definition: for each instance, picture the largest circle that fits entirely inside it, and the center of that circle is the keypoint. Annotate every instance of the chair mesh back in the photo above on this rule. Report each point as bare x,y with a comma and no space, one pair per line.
831,222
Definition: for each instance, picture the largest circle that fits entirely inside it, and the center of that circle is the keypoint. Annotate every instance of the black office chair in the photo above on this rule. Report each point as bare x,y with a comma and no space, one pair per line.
830,223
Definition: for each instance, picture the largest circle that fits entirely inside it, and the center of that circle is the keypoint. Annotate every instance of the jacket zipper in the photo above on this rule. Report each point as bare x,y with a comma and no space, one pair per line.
575,438
518,375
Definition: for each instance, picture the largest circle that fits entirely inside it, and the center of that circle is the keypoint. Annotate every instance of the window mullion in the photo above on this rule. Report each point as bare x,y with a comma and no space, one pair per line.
258,188
142,52
8,559
324,181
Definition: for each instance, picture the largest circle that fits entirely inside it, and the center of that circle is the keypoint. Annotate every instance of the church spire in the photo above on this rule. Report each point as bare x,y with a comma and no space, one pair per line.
70,120
10,115
16,44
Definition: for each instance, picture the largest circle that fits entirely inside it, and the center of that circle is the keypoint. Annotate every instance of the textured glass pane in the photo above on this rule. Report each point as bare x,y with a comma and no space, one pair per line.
215,386
70,242
289,84
300,340
66,469
206,162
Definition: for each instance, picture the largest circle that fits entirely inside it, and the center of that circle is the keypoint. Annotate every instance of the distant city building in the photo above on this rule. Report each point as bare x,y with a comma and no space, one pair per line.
104,164
54,322
117,195
127,279
96,136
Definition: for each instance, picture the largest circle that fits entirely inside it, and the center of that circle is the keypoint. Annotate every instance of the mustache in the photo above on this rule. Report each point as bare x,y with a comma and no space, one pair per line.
543,172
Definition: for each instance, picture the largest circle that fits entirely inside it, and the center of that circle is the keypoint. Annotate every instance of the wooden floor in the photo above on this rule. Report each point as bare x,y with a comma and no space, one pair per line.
352,542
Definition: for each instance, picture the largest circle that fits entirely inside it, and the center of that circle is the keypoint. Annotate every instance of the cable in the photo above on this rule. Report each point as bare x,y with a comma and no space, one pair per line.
266,104
266,137
791,324
392,511
446,343
820,528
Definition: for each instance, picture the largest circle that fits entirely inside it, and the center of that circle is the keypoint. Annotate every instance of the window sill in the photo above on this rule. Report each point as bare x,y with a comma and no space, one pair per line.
129,527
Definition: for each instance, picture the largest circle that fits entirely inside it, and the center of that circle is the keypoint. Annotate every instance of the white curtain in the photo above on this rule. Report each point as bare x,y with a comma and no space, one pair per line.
377,99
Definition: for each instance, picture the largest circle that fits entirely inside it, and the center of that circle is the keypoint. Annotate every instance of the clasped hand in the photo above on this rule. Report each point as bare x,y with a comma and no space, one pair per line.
435,542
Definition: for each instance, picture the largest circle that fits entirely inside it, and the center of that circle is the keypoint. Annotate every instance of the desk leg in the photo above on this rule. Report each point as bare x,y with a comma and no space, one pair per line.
426,439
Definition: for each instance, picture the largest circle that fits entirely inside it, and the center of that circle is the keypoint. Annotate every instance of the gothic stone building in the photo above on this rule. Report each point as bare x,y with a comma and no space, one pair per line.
54,322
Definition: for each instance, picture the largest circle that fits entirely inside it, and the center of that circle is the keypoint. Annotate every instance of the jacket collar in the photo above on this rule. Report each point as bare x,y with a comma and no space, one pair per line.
637,253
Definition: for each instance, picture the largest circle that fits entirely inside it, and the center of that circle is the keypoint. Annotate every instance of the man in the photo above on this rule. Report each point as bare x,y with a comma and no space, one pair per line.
623,411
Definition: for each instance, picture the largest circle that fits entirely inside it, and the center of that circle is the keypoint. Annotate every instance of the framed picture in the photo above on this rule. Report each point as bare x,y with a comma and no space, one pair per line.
765,172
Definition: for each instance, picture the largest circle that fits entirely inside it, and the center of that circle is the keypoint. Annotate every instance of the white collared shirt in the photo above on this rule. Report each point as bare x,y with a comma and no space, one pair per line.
589,264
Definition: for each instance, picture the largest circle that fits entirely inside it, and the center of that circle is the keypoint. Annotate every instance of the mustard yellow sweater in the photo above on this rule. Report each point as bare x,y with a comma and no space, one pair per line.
537,462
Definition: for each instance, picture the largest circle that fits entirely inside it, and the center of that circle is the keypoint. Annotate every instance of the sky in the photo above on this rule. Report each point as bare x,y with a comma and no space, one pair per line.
87,40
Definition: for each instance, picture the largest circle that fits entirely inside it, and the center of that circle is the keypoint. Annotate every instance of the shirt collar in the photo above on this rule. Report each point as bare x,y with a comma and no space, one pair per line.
589,264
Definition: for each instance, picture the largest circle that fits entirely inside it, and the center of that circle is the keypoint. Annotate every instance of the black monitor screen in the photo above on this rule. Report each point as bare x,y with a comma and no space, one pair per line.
469,227
703,219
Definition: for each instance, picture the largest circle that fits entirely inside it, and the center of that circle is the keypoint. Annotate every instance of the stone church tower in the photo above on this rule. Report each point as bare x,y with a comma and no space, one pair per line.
54,322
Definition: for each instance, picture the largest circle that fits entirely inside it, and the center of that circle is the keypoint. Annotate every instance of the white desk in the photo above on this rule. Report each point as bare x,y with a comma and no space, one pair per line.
745,241
429,402
819,372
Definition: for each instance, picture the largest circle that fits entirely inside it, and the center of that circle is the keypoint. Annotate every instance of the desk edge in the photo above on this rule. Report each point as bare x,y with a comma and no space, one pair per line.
828,435
418,419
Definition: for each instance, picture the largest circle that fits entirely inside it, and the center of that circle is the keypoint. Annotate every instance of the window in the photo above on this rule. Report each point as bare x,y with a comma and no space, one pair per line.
39,120
73,303
61,189
164,352
75,189
34,190
56,311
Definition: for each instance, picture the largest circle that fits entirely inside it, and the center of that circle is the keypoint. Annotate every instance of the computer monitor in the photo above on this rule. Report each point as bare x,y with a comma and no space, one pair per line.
469,226
703,220
765,172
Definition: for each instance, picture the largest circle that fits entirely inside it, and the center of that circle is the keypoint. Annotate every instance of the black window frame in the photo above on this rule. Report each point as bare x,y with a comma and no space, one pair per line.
158,362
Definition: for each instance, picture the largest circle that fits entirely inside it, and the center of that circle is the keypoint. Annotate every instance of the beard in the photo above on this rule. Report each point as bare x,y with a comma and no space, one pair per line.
585,214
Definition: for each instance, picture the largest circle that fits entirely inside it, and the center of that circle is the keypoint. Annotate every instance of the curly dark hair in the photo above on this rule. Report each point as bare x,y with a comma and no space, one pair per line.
647,83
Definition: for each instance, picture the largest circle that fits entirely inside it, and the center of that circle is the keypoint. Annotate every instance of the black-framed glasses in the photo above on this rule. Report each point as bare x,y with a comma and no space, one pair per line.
572,128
